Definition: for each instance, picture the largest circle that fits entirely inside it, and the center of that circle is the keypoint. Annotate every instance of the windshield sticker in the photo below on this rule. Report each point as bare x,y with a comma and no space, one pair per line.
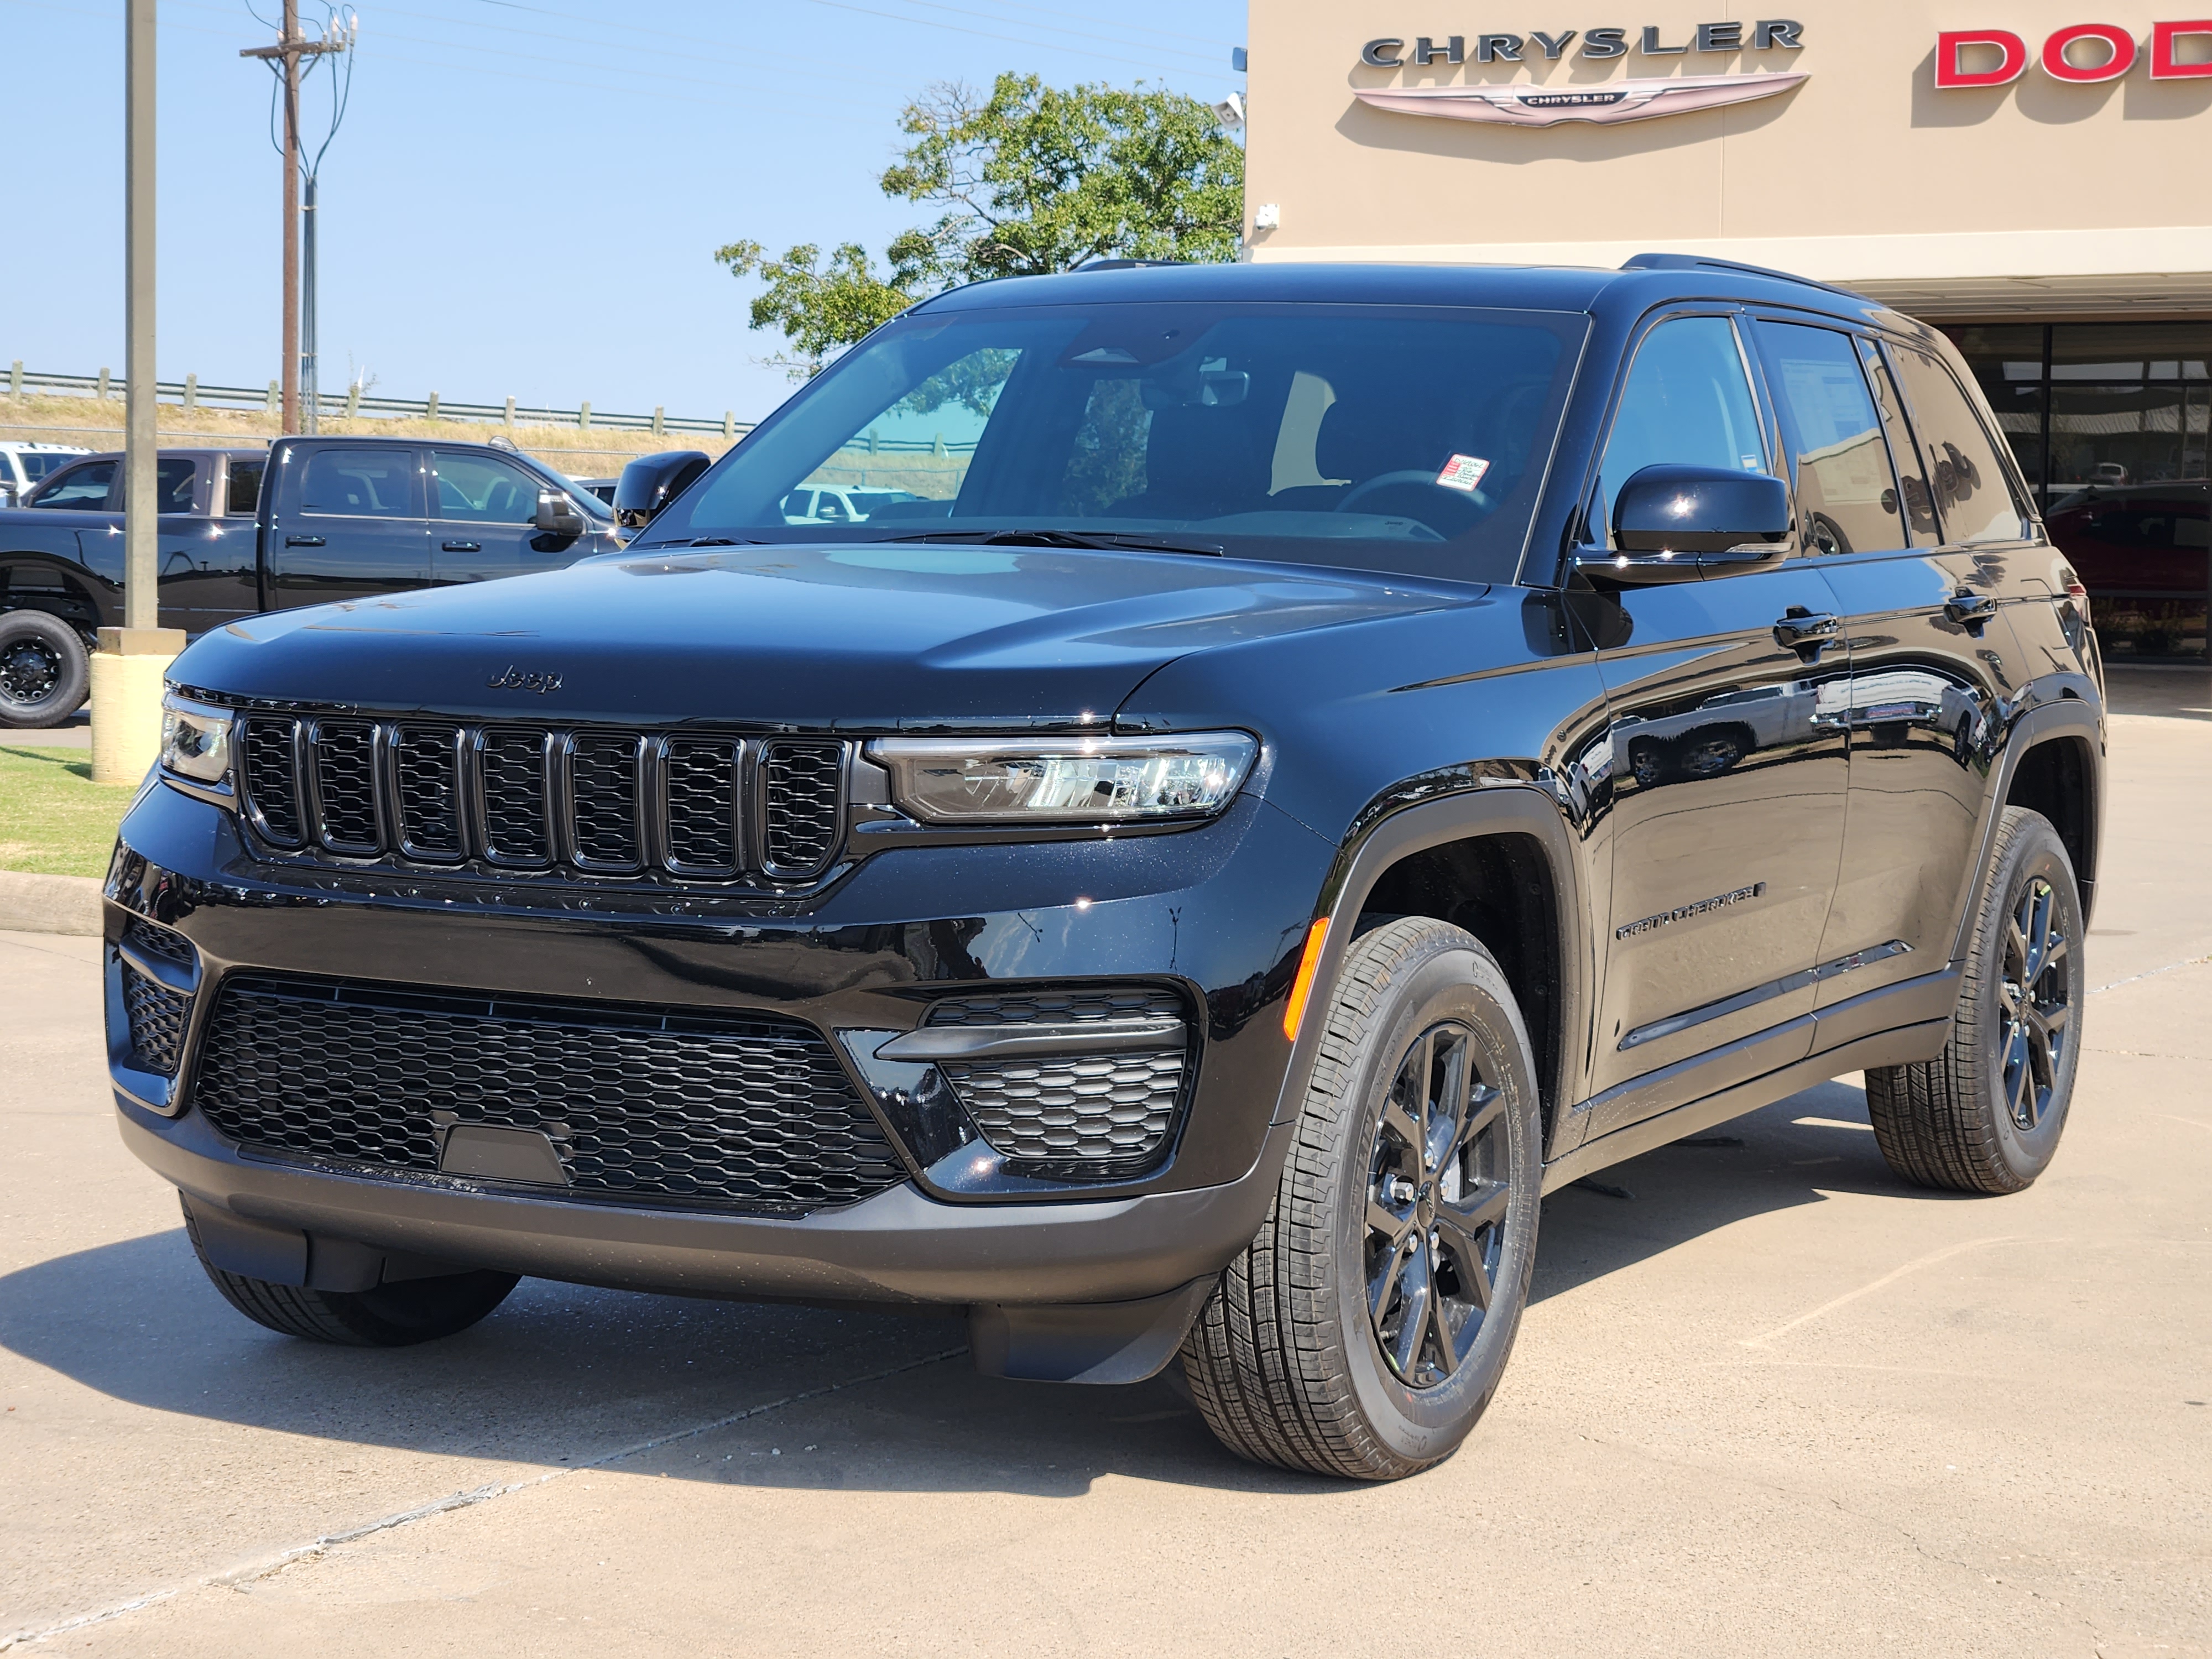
1463,472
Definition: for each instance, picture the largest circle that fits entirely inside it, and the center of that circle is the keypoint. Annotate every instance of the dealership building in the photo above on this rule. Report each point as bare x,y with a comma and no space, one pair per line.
2034,176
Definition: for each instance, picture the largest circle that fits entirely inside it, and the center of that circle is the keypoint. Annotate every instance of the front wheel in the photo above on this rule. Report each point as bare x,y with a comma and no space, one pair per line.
1363,1331
45,674
395,1315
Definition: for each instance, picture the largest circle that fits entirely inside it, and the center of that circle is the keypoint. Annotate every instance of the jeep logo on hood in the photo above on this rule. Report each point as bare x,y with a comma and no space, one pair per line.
513,680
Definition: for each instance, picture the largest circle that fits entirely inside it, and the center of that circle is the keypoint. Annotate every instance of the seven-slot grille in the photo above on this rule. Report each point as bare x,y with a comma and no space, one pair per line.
736,1110
534,797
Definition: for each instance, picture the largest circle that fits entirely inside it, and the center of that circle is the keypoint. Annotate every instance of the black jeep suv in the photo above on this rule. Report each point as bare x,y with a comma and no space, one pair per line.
1291,763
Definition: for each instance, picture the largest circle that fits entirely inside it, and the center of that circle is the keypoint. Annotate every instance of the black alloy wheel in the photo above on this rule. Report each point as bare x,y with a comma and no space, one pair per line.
1438,1185
1363,1331
1986,1114
44,670
2037,1005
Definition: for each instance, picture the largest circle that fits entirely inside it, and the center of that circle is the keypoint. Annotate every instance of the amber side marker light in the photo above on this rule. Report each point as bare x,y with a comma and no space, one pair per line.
1294,1011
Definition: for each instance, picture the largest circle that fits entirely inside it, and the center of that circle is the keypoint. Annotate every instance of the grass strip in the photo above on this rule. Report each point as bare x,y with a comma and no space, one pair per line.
54,819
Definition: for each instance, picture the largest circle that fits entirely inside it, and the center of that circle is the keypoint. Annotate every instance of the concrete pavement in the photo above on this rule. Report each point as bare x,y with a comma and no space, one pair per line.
1774,1402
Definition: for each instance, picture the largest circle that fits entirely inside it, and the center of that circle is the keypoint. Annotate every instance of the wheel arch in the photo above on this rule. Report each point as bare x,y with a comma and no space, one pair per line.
2056,776
2052,763
63,589
1499,861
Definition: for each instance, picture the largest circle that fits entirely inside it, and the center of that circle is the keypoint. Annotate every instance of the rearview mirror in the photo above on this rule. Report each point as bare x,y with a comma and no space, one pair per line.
557,515
651,482
1672,524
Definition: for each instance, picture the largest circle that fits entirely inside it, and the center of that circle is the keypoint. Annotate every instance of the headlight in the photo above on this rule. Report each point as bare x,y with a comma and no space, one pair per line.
195,739
1064,780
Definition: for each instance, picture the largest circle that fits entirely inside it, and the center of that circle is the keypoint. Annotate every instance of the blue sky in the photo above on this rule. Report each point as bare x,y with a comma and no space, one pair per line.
523,198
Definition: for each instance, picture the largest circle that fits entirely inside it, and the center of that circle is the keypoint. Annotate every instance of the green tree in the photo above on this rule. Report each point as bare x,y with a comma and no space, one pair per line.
1029,181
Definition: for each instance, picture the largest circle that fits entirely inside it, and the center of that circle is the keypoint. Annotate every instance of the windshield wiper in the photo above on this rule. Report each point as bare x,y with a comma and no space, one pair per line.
1106,540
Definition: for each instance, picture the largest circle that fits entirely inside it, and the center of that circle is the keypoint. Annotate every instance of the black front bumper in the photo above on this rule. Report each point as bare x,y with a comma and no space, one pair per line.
1218,912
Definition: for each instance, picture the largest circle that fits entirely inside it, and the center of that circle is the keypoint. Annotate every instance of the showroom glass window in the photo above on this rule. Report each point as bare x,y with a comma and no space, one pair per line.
2113,424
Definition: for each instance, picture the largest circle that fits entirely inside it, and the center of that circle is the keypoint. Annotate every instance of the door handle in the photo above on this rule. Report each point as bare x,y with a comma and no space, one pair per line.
303,541
1971,610
1806,634
461,547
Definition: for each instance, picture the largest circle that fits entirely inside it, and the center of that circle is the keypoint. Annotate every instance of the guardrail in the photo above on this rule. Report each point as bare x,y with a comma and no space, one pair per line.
190,393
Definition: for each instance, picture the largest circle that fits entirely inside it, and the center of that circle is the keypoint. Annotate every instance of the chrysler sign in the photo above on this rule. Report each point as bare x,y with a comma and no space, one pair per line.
1531,105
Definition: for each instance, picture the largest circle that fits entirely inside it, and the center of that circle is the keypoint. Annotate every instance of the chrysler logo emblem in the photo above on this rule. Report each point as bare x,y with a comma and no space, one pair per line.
1526,105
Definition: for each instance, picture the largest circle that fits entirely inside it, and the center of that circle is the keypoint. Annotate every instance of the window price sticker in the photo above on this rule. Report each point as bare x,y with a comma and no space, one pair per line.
1463,472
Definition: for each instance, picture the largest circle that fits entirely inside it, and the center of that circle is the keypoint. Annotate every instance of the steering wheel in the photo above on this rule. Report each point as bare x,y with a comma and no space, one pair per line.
1381,481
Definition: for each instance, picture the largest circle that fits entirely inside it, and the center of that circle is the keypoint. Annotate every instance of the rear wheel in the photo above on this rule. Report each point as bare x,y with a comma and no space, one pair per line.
1986,1114
1364,1331
390,1316
44,671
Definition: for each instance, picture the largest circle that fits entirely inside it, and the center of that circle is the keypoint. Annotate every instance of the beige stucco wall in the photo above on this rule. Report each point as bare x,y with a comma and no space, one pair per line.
2096,197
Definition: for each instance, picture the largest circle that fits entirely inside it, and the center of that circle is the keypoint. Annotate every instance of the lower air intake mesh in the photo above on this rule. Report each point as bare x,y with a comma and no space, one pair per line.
1114,1106
726,1110
157,1017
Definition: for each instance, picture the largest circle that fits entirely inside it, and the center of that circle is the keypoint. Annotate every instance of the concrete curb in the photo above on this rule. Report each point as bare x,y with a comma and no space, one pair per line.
49,904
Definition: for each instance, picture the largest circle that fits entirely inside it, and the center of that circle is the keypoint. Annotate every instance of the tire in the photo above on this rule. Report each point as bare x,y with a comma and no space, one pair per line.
1986,1114
390,1316
1284,1362
45,674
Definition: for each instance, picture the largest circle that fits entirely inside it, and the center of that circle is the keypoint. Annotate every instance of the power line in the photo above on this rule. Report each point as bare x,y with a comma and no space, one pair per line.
1048,11
921,22
985,34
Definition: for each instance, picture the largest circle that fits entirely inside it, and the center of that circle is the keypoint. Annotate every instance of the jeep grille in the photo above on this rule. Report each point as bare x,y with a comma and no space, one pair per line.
528,796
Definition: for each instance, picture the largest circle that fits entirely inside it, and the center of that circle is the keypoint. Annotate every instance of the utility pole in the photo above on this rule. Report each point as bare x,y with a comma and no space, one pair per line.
126,671
141,436
291,47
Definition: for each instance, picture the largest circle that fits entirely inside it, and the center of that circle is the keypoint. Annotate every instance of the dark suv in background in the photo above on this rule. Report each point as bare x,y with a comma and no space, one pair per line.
1310,759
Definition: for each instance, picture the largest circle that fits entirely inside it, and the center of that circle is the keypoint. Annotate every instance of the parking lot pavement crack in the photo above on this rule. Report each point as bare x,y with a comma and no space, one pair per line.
1904,1534
2151,973
266,1565
1884,1282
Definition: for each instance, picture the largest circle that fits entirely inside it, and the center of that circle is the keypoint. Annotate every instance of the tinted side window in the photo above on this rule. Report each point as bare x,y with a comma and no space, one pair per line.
1844,487
478,490
1912,477
371,483
1687,403
1973,495
83,488
172,486
245,486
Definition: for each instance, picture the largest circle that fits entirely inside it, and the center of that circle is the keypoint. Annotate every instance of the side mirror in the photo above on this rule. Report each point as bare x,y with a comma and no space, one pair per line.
651,482
1681,523
557,515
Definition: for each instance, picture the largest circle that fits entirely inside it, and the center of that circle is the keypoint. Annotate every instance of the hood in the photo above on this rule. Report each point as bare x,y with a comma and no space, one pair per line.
870,637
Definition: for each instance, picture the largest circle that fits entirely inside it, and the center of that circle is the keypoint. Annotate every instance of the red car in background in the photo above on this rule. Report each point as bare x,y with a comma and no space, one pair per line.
2144,552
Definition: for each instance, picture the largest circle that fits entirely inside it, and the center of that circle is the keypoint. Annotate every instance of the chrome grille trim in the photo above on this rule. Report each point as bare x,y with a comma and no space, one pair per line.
527,797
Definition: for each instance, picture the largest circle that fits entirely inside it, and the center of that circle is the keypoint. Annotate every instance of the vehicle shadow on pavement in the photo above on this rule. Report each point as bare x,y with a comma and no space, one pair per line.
1767,1161
563,1376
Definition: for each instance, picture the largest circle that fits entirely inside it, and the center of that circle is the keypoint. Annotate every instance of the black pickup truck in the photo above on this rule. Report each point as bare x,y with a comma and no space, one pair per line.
349,519
1316,759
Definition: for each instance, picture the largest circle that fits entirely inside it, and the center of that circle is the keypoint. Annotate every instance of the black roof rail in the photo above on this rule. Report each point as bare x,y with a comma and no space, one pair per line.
1127,264
1697,261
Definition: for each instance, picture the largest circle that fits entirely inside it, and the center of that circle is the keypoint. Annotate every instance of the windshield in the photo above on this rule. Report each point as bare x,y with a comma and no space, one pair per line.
1410,440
